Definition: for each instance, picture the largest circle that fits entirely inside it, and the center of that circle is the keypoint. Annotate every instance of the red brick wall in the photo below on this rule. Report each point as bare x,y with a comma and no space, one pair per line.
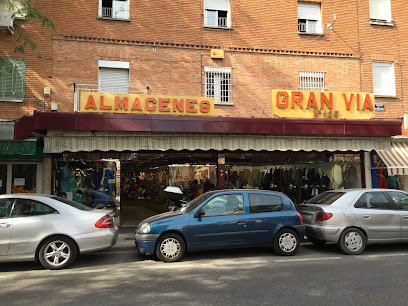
263,47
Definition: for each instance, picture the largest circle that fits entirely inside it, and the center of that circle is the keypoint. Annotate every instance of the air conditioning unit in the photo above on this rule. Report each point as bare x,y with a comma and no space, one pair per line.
6,19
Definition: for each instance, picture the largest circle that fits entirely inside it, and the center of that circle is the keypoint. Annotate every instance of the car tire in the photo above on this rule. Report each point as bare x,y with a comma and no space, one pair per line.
317,242
286,242
170,247
352,241
57,252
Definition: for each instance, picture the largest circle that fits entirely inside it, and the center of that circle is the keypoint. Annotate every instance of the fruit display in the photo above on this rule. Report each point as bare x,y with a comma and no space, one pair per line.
20,189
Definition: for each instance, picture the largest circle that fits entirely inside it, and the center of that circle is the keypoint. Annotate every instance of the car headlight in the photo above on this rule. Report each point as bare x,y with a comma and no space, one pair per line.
145,228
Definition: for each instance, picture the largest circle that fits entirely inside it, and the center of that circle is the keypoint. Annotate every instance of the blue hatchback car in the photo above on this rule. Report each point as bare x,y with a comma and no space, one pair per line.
223,219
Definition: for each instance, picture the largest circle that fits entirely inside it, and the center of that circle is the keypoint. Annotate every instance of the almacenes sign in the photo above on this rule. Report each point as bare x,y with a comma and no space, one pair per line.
102,102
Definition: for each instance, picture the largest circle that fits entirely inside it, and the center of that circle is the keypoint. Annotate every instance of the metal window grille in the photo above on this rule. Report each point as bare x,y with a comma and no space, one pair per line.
218,83
106,12
311,80
307,26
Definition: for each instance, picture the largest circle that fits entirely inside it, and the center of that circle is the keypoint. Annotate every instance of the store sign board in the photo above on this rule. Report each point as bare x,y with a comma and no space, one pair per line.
18,147
406,121
102,102
322,104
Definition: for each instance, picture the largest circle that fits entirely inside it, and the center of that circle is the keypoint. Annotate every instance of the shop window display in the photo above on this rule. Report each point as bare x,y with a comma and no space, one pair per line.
24,178
300,179
92,183
382,178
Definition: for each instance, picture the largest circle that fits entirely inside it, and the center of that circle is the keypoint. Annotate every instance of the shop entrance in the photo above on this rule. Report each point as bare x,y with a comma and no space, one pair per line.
144,176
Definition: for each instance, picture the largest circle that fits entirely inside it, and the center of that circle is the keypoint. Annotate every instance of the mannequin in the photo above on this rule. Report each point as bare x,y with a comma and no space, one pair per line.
64,174
108,180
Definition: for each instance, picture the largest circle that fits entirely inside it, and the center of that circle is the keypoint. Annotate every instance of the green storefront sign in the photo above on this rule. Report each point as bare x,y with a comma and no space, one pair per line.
19,149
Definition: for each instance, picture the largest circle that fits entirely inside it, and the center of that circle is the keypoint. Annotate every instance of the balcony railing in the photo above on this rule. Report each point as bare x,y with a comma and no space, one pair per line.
118,12
221,22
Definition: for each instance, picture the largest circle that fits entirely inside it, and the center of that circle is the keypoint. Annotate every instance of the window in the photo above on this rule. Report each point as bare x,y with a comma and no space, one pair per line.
260,203
118,9
326,198
218,83
309,20
311,80
27,207
400,199
12,79
373,200
12,10
380,10
113,76
384,79
226,204
5,207
217,13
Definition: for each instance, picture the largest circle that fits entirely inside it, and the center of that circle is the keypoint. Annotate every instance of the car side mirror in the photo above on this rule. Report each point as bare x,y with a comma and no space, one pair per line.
199,213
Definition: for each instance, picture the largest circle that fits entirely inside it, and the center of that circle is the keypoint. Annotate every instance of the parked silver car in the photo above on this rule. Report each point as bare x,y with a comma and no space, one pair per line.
51,230
353,218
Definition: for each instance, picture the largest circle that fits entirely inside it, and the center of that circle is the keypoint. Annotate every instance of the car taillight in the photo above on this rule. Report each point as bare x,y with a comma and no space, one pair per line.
104,222
323,216
300,217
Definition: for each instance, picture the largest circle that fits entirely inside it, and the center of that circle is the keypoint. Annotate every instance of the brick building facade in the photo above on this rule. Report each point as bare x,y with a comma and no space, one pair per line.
167,47
168,44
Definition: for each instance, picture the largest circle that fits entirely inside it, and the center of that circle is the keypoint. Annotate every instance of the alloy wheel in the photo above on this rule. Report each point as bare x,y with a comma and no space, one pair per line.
57,253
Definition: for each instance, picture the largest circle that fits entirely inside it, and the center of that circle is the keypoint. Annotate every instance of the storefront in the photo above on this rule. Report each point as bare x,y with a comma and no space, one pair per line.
390,168
100,157
21,167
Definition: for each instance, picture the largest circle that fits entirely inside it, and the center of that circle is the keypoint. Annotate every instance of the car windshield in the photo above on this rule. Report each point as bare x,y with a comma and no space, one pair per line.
326,198
71,203
194,203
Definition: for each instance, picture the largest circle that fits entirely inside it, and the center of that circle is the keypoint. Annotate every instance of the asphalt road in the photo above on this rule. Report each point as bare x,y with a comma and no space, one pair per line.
119,276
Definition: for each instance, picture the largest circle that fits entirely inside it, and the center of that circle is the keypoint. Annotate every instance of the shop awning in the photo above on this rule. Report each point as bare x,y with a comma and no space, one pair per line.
396,159
88,141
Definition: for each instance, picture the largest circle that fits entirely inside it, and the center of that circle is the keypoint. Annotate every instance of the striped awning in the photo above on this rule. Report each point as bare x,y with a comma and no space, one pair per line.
88,141
396,159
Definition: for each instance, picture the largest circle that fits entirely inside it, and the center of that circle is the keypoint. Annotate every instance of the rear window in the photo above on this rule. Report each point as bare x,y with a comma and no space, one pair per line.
260,203
326,198
71,203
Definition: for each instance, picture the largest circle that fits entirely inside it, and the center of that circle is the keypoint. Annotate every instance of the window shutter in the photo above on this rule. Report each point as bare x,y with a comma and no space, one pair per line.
218,5
114,80
380,9
309,11
12,79
383,79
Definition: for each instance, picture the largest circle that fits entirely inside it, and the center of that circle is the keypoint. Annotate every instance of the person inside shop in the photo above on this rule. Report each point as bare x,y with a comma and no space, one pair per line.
194,190
393,182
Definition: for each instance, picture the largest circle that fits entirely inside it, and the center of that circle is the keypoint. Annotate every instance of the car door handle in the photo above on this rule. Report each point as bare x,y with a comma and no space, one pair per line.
241,222
5,224
367,217
405,217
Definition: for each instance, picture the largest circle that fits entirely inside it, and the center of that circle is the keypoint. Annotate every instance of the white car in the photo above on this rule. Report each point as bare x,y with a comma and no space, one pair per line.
51,230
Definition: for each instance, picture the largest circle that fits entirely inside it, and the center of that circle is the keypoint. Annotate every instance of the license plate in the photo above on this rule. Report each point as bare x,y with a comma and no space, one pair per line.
306,216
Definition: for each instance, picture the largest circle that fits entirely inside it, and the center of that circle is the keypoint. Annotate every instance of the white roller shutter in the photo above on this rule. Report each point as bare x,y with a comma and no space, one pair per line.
380,9
113,80
218,5
309,11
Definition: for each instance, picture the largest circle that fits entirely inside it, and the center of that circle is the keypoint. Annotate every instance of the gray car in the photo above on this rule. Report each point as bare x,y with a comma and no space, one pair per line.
353,218
51,230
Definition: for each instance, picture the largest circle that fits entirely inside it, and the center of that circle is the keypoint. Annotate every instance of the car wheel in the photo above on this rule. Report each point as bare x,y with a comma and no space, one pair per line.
317,242
57,252
170,247
286,242
352,241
